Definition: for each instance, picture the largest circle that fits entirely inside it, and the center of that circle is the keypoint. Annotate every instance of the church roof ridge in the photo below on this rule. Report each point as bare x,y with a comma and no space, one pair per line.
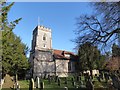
69,52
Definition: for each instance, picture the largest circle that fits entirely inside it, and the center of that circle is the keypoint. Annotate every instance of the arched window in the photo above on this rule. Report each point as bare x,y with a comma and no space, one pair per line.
44,37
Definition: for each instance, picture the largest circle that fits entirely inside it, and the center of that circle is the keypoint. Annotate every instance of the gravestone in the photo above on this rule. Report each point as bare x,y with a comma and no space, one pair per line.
101,76
18,87
73,82
115,81
72,79
89,85
45,75
31,85
49,79
65,80
76,86
59,82
80,74
38,82
81,82
106,75
98,78
56,78
52,78
65,88
41,85
86,77
78,78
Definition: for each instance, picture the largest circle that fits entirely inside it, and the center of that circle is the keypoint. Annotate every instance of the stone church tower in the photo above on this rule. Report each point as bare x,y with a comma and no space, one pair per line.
48,61
42,39
41,53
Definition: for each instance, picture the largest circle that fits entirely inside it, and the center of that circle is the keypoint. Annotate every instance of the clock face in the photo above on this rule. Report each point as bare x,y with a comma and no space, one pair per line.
45,55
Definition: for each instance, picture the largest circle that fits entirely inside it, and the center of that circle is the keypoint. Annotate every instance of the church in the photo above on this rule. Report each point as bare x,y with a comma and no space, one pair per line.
48,61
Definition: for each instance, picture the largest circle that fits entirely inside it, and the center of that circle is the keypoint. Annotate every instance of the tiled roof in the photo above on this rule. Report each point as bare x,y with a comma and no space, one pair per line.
60,54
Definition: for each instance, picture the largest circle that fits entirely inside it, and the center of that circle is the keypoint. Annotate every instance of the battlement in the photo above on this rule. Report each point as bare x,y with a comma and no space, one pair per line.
44,28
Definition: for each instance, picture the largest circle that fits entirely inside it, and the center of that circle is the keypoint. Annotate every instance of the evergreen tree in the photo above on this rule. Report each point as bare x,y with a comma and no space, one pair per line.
115,50
14,60
89,55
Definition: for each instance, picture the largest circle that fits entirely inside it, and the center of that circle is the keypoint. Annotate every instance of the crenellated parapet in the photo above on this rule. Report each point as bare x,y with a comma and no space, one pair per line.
44,28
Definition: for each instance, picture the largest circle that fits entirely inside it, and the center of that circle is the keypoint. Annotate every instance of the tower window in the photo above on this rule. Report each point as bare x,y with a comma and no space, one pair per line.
44,45
44,37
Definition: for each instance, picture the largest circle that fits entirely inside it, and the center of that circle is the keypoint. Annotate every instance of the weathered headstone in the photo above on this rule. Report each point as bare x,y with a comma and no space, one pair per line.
89,85
59,82
72,79
98,78
31,85
18,87
45,75
101,76
76,86
65,88
78,78
41,85
81,82
65,80
73,82
56,78
38,82
115,81
52,78
49,79
86,77
89,77
80,74
106,77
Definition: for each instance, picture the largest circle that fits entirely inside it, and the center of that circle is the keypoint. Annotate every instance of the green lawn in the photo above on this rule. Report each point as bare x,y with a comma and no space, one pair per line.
54,85
24,83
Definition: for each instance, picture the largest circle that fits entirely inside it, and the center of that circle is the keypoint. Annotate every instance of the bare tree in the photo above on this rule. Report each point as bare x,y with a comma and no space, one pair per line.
102,28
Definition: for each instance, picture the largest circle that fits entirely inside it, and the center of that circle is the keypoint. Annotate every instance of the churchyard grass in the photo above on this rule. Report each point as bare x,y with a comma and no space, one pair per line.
54,85
24,83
